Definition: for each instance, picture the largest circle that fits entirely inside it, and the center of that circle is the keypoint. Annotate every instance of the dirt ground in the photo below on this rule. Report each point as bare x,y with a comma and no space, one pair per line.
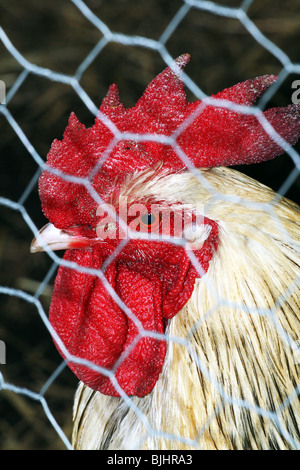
57,36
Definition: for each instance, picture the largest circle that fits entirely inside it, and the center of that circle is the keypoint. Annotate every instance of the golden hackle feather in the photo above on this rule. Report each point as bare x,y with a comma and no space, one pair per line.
232,369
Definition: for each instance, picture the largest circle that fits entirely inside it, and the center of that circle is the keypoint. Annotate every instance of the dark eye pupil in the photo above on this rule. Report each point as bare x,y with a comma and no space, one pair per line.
148,219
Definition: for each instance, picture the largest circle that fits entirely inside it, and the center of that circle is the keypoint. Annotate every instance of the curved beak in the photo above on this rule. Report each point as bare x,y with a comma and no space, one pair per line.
56,239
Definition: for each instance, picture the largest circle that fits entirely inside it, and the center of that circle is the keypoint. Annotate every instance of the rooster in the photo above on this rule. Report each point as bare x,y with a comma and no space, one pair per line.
186,338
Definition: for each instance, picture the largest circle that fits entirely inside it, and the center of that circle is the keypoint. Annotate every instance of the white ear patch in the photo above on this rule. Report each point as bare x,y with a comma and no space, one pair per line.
195,235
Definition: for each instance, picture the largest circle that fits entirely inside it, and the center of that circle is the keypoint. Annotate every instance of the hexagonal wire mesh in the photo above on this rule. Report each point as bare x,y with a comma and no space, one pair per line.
90,22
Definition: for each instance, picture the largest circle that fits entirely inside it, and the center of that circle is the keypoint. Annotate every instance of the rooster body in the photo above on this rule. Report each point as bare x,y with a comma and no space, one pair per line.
193,342
230,374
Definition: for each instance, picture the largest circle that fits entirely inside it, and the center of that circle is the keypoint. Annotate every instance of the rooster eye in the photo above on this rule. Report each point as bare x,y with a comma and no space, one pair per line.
149,220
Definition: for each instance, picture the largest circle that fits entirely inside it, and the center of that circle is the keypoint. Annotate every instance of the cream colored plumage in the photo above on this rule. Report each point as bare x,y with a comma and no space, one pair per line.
232,369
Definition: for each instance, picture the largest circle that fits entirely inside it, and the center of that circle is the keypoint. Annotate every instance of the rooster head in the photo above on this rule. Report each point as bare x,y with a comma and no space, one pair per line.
130,262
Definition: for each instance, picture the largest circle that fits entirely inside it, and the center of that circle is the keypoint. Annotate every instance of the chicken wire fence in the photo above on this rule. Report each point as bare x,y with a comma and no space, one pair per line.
159,47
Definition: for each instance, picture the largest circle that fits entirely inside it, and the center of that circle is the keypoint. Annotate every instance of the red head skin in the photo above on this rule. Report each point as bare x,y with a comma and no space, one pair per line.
153,286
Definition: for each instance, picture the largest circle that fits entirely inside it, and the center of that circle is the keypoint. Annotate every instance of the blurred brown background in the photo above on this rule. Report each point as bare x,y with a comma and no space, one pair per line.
57,36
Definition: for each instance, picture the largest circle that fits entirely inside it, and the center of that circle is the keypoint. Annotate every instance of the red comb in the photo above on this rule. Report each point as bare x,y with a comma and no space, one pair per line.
217,136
